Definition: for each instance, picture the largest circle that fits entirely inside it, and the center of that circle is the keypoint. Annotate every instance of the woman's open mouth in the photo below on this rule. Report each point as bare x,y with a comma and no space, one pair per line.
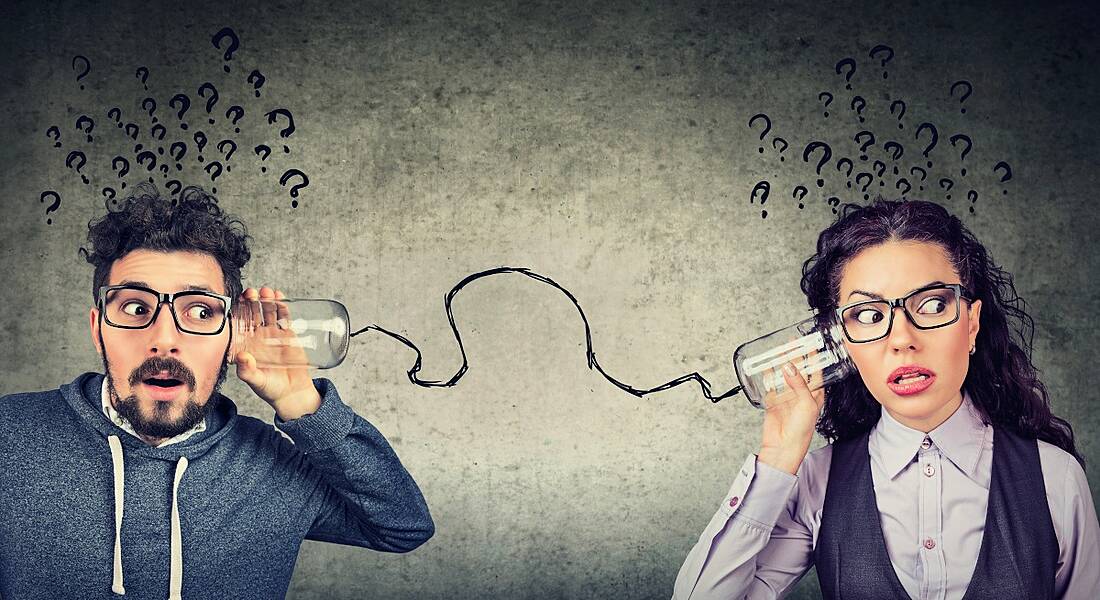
910,379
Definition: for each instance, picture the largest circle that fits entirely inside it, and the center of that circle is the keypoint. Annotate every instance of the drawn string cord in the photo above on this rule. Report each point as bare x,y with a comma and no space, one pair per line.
592,362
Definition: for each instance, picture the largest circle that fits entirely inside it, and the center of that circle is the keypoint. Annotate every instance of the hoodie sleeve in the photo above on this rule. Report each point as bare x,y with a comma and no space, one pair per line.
361,494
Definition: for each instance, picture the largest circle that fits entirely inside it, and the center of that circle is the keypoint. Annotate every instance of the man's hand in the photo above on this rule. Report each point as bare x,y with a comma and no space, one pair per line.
289,390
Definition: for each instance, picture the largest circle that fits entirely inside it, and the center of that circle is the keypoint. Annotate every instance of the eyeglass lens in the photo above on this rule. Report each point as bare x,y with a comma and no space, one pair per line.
196,312
928,308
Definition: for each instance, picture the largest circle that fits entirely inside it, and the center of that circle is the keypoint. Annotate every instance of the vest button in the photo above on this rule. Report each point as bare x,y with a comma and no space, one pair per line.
733,501
929,470
929,543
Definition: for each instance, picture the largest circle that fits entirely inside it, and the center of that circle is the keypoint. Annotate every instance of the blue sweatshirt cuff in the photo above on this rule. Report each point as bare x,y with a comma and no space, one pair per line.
323,429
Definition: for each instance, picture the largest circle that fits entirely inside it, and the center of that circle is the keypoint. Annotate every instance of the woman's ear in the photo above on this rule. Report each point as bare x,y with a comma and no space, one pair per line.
974,312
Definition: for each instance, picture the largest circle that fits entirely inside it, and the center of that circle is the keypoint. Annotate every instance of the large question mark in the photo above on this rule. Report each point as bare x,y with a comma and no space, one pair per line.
827,153
210,102
959,137
257,79
846,62
778,140
827,98
142,73
54,133
966,94
78,157
901,113
1007,175
237,113
263,151
800,197
294,189
763,188
52,207
85,71
864,145
234,43
185,103
767,126
858,104
932,144
883,49
91,125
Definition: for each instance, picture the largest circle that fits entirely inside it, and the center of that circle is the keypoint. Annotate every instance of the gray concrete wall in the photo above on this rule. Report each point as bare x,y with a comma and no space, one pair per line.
605,146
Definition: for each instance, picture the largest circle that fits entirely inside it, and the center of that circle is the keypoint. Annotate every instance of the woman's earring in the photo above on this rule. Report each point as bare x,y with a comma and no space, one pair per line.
973,349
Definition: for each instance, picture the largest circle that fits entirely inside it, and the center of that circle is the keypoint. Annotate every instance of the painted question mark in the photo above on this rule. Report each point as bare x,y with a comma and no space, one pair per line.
889,55
285,132
896,149
110,195
182,151
91,125
158,131
846,62
864,145
150,105
800,197
858,104
78,157
210,102
880,168
767,125
85,71
946,185
233,148
959,137
123,169
827,153
870,178
973,196
175,186
142,73
932,144
968,89
52,207
908,186
294,189
923,175
834,202
116,114
234,43
132,130
55,133
237,113
1007,175
257,79
847,175
763,188
263,151
152,160
901,113
214,169
185,103
779,140
828,98
200,141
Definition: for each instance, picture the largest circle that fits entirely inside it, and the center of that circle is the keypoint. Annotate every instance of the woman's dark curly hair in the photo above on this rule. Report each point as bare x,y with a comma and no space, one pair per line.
1001,380
146,220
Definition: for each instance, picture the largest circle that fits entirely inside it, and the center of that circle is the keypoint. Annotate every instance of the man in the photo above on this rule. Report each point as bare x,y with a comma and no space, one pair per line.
144,480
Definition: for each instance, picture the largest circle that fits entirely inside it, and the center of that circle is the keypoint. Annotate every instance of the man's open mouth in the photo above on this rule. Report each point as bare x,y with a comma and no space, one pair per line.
165,383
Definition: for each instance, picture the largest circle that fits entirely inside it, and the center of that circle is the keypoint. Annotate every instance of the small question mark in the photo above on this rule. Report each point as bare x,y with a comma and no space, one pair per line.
834,202
294,189
234,43
132,130
123,169
864,145
827,153
257,80
142,73
767,126
962,83
763,188
1007,175
273,117
54,133
896,149
932,144
175,186
778,140
845,160
858,104
182,151
800,197
78,157
213,166
232,148
973,196
828,99
108,193
263,152
116,114
150,105
870,178
85,71
237,113
901,113
889,55
846,62
210,102
923,175
908,186
185,103
946,185
91,125
152,160
200,141
959,137
52,207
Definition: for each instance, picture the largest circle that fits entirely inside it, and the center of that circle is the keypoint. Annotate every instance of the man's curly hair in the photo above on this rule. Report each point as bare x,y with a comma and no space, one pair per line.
146,220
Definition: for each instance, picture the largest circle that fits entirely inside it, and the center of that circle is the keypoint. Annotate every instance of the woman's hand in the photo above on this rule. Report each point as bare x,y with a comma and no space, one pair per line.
789,421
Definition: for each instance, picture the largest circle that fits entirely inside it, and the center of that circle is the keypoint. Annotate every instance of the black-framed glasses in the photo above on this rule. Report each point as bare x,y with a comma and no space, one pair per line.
926,308
135,307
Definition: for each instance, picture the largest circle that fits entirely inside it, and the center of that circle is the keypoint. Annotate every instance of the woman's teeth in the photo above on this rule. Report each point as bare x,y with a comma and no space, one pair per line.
911,378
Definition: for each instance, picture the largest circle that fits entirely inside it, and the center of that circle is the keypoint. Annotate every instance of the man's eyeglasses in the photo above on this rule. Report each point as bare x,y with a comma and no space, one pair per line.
135,307
926,308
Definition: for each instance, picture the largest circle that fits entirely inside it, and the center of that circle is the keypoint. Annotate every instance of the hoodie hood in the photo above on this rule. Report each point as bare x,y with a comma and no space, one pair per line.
84,395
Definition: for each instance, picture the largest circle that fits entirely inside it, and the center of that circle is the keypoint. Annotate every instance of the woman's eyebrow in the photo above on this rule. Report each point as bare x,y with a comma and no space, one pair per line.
878,296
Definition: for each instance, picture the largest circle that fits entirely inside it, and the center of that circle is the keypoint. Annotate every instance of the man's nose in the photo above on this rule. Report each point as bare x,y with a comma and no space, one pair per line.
165,336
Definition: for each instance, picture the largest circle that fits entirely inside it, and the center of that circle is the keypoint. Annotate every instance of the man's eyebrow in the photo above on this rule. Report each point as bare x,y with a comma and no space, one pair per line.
878,296
188,286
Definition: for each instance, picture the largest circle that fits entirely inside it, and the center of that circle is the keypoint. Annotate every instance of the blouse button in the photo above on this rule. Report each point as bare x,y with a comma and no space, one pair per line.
929,543
926,443
733,501
929,470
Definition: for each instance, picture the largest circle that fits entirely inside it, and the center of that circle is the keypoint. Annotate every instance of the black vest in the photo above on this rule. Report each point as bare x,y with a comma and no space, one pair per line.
1019,549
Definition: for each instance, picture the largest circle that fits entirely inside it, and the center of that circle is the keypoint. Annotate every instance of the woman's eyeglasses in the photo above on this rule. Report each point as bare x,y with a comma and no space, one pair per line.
926,308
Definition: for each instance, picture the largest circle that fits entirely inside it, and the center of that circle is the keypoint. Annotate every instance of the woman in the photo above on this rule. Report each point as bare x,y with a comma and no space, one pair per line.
947,475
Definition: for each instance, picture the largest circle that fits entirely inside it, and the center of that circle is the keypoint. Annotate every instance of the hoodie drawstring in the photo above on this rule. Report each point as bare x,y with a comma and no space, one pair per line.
175,577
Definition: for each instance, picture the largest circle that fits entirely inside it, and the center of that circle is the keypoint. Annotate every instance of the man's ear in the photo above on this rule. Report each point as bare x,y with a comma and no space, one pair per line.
93,318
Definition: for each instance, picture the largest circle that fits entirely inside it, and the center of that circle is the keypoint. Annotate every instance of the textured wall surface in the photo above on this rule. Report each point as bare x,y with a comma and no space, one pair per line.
606,146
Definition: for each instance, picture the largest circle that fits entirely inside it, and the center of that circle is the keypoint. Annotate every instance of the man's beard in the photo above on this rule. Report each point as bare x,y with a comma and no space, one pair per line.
158,425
